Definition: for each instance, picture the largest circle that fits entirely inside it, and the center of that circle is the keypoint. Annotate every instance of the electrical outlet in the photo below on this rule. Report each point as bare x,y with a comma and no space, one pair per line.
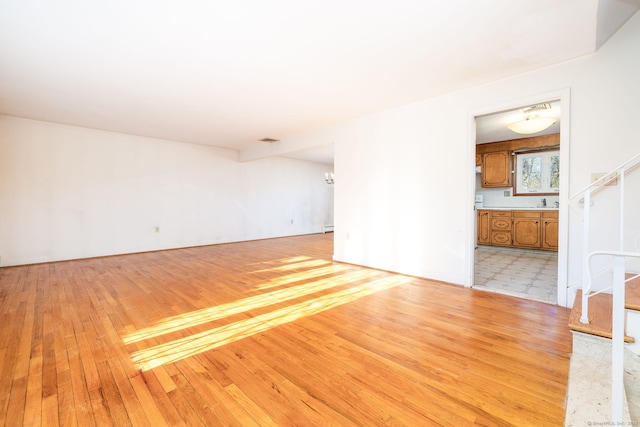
157,229
507,193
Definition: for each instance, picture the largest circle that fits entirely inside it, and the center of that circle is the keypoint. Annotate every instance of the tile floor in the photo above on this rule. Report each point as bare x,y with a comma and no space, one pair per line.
523,273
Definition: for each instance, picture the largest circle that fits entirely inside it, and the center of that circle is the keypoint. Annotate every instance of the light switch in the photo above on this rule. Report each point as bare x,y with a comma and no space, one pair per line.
611,183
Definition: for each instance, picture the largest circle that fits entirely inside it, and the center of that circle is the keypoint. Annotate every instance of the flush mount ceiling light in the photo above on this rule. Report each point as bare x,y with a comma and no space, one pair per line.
531,124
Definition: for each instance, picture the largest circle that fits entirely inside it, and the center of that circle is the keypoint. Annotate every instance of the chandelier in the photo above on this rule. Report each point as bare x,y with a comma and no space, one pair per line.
328,178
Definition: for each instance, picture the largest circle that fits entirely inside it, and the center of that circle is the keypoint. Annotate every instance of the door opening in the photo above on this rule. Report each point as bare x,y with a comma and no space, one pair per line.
518,246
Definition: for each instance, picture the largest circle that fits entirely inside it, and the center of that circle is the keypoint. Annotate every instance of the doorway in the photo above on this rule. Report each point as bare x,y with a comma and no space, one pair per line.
503,260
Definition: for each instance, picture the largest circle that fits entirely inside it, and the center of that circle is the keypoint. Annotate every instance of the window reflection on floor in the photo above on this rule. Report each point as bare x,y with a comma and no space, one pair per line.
519,272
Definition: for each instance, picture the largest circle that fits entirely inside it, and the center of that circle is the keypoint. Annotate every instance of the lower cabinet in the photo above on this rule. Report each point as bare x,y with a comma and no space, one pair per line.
534,229
501,228
550,231
526,229
484,236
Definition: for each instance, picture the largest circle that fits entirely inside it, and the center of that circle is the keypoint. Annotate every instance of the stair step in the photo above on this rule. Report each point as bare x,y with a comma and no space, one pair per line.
600,313
632,293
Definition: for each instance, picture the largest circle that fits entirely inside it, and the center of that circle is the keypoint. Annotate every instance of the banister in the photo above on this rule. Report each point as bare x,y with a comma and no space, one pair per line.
615,253
618,287
599,183
586,277
617,173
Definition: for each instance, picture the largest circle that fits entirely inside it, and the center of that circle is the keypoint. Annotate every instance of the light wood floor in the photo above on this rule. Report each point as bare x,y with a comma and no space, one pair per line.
270,332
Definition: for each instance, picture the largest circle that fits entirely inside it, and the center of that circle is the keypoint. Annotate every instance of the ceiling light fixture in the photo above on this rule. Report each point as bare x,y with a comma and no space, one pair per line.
531,124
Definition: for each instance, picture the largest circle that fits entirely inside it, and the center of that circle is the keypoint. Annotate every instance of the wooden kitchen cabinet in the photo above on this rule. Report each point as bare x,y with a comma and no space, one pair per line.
483,227
527,229
534,229
550,230
500,228
496,159
496,169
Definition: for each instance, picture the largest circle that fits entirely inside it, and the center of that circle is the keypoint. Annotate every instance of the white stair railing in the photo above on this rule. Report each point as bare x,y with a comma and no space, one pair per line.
618,329
584,198
617,289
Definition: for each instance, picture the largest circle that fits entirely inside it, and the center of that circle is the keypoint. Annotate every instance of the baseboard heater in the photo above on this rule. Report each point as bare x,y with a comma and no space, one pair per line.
327,228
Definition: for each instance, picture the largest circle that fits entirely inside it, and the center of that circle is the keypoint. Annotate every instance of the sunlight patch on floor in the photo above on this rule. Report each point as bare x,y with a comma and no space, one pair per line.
194,318
198,343
294,263
298,277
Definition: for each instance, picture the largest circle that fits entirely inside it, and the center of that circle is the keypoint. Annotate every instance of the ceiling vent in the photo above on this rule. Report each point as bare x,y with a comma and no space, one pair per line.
535,108
269,140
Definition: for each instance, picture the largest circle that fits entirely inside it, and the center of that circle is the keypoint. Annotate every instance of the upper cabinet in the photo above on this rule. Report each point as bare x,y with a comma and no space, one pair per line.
496,169
496,159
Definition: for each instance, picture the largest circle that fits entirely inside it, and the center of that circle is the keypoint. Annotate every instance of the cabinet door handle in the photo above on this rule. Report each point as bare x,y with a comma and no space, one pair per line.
536,222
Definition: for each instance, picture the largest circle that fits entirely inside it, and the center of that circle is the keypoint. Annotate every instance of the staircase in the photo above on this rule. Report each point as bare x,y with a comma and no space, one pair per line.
604,372
595,362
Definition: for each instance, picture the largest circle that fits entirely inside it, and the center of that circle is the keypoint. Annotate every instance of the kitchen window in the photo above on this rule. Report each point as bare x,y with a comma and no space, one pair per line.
536,173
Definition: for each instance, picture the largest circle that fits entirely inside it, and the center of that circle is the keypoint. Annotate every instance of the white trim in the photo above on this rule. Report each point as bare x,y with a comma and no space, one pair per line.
564,96
472,219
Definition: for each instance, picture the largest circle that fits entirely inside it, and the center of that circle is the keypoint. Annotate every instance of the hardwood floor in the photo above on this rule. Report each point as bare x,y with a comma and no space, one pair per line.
270,332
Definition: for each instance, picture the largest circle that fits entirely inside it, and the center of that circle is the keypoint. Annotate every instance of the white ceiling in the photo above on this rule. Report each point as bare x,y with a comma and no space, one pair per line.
228,73
493,127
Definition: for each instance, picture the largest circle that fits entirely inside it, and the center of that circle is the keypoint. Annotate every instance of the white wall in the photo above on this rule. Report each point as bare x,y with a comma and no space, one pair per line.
404,177
495,197
404,184
69,192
